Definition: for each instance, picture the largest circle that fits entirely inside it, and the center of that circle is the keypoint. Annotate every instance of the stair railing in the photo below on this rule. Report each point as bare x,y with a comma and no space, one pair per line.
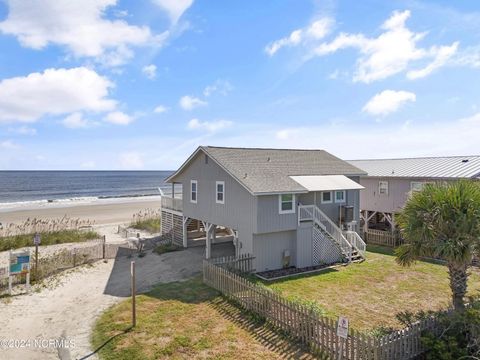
356,241
313,213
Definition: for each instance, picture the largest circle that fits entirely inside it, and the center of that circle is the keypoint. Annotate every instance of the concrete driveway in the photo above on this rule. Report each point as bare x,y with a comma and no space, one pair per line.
68,307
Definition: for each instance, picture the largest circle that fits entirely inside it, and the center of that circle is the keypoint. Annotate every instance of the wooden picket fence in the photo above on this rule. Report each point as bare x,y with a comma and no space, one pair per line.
302,323
66,258
380,237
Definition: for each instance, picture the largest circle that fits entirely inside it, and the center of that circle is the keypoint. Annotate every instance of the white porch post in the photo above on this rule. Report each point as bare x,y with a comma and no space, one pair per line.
185,222
235,242
208,241
214,234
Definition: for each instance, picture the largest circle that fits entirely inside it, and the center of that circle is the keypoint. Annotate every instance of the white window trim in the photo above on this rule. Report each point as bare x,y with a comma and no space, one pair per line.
280,211
326,202
379,187
344,197
422,184
196,191
217,192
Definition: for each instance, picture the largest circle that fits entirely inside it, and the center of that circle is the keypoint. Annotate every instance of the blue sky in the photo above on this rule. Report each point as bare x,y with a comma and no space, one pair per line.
105,84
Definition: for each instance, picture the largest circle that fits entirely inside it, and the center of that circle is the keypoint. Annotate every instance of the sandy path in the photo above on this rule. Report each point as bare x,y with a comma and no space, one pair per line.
71,307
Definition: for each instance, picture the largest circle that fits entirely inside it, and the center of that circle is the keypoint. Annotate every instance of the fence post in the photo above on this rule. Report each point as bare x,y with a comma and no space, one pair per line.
103,246
74,257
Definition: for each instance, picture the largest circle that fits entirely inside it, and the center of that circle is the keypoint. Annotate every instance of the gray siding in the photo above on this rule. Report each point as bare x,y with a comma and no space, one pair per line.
239,210
398,189
304,246
269,248
269,218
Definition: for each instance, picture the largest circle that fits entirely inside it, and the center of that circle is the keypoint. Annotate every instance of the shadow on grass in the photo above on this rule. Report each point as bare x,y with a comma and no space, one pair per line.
385,250
261,331
191,291
106,343
293,277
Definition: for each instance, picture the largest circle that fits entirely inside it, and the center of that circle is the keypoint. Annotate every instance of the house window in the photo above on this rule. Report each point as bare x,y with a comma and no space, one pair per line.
383,187
193,191
340,196
286,203
220,191
326,197
416,186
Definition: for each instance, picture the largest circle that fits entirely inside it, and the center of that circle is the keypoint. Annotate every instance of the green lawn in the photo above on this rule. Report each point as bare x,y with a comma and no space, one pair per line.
187,320
372,292
51,238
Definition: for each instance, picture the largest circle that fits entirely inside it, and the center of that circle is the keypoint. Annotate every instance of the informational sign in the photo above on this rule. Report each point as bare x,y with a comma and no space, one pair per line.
36,239
342,327
19,262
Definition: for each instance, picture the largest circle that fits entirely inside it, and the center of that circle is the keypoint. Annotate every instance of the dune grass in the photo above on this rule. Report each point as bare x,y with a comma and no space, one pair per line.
371,293
186,320
150,225
49,238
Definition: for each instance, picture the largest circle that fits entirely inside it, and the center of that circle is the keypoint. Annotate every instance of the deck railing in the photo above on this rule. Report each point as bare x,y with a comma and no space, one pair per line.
170,203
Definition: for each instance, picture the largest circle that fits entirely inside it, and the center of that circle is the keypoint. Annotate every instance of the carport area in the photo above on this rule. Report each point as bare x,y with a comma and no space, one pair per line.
202,233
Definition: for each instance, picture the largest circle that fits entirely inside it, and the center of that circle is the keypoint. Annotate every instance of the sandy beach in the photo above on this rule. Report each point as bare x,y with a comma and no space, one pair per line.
106,211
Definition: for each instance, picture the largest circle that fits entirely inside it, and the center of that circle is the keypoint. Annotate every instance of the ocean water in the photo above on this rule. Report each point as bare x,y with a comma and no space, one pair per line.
24,188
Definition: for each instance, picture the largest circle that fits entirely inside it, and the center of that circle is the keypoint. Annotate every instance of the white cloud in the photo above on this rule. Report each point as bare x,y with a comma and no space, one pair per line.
403,139
390,53
131,160
150,71
388,101
118,118
315,31
442,56
23,130
160,109
210,126
54,92
174,8
220,86
8,145
190,102
78,25
75,121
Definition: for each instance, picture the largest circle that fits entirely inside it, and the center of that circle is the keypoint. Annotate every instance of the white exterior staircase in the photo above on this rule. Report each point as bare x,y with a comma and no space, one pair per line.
350,243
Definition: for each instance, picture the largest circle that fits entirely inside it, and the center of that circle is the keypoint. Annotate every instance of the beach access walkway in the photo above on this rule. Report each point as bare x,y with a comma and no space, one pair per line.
68,304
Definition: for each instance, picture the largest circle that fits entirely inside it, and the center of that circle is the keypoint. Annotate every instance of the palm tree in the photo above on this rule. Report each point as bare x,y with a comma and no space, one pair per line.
443,221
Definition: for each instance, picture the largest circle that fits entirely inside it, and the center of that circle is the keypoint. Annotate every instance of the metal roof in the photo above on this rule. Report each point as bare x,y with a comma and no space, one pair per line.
327,182
427,167
263,171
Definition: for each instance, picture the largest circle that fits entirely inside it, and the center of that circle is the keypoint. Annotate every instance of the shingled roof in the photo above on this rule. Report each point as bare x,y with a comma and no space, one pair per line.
269,170
426,167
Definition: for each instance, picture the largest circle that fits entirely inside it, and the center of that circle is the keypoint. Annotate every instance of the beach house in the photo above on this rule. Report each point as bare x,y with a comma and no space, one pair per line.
389,182
288,208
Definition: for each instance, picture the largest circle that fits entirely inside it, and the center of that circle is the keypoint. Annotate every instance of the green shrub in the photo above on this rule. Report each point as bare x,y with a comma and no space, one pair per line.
164,248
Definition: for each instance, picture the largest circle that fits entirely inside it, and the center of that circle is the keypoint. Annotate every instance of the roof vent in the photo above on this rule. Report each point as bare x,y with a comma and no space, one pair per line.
268,159
464,160
245,176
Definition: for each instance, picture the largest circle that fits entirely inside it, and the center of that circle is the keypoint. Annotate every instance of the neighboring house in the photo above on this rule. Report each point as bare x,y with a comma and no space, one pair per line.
286,207
390,182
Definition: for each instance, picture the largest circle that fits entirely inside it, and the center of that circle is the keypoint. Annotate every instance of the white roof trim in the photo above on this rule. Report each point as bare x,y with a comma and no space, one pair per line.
327,182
